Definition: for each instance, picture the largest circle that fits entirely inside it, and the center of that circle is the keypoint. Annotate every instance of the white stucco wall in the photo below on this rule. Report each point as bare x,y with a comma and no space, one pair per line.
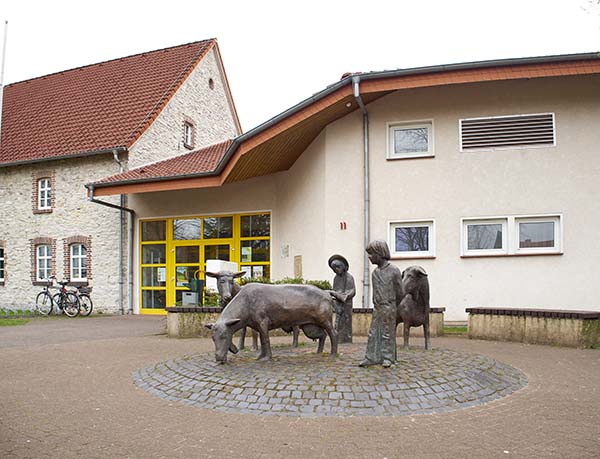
208,109
72,215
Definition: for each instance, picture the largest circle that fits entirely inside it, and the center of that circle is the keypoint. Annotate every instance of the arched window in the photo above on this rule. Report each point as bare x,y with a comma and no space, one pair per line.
78,262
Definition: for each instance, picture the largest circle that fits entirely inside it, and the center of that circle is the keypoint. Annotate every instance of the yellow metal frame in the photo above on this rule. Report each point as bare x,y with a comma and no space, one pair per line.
171,288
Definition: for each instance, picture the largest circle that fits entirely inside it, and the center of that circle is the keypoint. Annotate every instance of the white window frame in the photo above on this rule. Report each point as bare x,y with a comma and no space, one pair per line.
426,222
82,262
557,248
188,134
466,222
391,127
510,147
44,193
511,233
2,263
43,262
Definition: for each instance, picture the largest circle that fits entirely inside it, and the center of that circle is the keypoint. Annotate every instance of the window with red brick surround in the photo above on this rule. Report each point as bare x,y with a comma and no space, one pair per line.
73,255
43,191
47,261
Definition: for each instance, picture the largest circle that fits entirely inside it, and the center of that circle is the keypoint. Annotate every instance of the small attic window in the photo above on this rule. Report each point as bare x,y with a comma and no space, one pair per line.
188,134
211,83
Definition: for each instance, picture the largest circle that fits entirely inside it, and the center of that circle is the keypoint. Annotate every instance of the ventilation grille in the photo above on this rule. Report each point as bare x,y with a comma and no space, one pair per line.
507,131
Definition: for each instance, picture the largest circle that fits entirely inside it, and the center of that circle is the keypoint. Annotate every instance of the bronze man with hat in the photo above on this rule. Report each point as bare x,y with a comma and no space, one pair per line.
343,292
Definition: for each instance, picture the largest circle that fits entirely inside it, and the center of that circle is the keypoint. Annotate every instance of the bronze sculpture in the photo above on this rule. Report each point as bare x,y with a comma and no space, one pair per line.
387,292
413,310
264,307
343,292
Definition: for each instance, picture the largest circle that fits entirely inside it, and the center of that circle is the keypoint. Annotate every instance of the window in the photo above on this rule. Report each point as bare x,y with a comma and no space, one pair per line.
515,235
188,134
43,262
1,262
78,262
412,239
44,194
502,132
410,140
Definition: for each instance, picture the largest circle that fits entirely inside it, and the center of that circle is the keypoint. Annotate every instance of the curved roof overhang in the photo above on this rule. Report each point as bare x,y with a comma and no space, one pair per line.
276,144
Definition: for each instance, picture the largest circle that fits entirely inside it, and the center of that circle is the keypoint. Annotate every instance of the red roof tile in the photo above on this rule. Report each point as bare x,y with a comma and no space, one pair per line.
197,162
91,108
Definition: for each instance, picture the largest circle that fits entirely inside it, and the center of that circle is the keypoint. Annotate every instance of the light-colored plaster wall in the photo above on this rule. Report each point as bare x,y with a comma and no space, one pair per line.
73,215
561,179
209,109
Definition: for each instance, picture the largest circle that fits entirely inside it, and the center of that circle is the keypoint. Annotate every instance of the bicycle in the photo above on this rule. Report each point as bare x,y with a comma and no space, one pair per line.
67,301
43,300
85,302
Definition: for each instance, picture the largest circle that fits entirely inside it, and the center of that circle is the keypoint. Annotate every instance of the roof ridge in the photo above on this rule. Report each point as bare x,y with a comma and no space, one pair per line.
168,48
171,90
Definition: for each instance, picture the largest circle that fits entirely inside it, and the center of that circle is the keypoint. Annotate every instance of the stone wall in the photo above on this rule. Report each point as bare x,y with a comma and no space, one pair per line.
72,218
208,110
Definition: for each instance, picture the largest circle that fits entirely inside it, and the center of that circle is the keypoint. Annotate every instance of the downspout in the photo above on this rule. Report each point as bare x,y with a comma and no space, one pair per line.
130,239
367,202
121,215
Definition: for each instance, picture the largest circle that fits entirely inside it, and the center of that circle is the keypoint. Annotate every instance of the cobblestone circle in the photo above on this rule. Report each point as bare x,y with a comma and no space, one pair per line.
298,382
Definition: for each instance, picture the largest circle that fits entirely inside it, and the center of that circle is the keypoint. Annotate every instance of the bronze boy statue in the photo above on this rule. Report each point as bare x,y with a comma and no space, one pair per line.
343,292
387,290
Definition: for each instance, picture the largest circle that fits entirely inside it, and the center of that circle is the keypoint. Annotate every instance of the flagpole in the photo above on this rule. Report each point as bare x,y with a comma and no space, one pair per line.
2,77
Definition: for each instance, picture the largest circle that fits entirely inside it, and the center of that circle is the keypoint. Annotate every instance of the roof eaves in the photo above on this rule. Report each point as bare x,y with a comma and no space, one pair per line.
118,149
163,178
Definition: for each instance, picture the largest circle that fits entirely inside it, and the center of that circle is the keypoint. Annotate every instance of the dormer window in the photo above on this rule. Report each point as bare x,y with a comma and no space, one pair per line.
44,194
188,135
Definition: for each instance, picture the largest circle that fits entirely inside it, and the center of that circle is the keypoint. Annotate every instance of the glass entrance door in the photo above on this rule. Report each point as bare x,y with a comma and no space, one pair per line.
186,283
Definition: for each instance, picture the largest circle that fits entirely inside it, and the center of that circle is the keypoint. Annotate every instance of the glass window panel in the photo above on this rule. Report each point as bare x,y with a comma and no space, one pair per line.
484,236
184,275
411,239
154,231
189,254
186,229
154,299
154,277
536,234
256,225
410,140
253,251
189,299
153,254
218,227
216,252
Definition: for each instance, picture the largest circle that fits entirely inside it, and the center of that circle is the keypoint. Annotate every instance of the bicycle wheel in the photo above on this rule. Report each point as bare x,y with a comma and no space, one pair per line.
71,305
86,304
43,303
57,299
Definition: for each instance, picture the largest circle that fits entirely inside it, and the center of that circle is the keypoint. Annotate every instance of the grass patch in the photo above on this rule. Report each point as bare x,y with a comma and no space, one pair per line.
455,330
12,322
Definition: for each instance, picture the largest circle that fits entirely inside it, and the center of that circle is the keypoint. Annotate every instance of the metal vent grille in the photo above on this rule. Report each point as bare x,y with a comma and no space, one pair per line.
507,131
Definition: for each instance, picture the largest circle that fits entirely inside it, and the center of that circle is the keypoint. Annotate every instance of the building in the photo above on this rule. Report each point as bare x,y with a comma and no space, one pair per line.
63,130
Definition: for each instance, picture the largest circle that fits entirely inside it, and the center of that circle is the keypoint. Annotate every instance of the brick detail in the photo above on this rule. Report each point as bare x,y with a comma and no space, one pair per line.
35,181
33,243
87,243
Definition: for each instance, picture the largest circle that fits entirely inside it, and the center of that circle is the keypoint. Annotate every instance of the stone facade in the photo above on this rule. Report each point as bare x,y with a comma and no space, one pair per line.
202,99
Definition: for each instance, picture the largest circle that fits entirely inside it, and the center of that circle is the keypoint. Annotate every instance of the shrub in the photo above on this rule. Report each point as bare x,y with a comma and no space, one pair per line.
322,284
211,298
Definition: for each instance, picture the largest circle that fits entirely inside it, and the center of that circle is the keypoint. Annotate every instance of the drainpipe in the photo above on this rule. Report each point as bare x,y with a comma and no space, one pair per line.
121,215
367,202
130,241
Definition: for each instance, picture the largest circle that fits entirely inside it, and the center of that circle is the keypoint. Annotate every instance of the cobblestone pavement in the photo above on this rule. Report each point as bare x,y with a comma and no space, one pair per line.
299,382
75,398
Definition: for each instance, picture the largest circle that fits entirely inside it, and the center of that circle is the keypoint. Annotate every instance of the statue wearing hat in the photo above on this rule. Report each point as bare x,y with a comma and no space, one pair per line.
342,293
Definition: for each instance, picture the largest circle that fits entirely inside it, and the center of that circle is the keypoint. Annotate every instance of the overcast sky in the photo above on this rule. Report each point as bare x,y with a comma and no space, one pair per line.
277,53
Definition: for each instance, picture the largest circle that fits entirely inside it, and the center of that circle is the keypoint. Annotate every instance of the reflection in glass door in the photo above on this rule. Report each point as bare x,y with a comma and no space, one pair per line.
185,280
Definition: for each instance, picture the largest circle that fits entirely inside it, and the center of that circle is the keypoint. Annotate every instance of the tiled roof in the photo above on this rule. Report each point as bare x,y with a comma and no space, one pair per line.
197,162
92,108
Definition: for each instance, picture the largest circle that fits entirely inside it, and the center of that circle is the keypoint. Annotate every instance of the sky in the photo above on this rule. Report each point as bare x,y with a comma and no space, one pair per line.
278,53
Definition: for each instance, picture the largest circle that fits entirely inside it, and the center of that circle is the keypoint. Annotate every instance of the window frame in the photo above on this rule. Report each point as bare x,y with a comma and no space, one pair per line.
44,203
82,262
47,257
189,135
392,126
422,222
512,237
2,263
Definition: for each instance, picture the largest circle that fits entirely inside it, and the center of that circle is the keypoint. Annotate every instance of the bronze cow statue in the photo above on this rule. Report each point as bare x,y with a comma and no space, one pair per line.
413,309
264,307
